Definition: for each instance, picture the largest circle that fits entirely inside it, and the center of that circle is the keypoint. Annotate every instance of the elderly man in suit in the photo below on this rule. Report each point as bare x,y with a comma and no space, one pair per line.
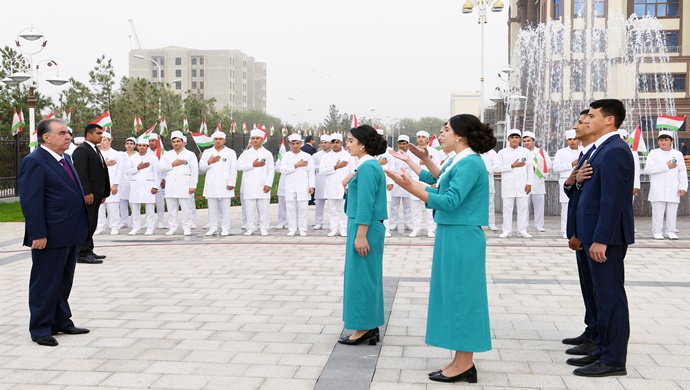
93,174
52,200
604,224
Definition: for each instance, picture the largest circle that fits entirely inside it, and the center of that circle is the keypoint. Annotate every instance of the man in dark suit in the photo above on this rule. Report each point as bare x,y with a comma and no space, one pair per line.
308,146
93,174
604,224
52,200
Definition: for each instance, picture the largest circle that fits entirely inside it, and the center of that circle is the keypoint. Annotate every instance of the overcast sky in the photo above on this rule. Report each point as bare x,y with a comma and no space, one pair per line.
402,58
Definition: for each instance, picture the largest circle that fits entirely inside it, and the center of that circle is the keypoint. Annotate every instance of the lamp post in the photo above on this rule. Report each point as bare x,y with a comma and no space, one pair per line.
301,112
159,79
482,7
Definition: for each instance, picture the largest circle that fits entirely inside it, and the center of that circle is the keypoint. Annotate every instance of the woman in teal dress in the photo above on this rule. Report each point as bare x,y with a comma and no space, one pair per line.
458,313
365,207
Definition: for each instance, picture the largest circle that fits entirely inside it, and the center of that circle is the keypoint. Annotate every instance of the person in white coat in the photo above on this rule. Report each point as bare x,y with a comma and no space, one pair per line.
386,162
256,164
398,194
282,208
668,182
564,162
517,176
319,196
298,168
220,166
130,150
109,212
335,166
143,186
160,195
490,161
418,208
541,166
181,170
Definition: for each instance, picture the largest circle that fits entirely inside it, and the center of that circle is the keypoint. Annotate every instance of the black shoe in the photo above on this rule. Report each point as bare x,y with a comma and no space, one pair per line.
435,373
89,260
585,348
371,335
583,361
576,340
598,369
470,376
48,341
99,257
72,330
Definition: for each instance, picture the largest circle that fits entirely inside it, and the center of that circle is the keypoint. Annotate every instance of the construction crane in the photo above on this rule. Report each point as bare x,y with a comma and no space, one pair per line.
134,33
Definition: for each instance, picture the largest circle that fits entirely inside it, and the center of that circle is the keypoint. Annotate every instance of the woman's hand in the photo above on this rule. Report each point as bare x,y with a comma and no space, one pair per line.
347,179
400,156
402,179
422,154
362,245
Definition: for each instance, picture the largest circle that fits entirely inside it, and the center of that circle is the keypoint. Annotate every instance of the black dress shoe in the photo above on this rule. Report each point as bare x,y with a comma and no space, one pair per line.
583,361
435,372
371,335
598,369
99,257
72,330
585,348
48,341
470,376
89,260
576,340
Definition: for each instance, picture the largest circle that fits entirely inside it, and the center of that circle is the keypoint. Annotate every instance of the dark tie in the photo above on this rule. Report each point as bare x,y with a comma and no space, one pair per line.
65,165
586,156
100,156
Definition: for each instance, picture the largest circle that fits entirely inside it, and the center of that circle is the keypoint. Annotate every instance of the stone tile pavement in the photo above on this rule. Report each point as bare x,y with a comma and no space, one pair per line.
265,313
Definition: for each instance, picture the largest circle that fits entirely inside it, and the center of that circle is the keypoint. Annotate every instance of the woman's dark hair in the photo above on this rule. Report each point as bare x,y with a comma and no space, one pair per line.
480,136
373,142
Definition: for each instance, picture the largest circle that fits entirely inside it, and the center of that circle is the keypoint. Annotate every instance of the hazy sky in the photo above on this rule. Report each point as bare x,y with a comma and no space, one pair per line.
402,58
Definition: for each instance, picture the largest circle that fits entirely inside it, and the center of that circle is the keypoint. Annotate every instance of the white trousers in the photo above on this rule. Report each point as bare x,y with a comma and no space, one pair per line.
337,220
150,216
160,206
522,213
173,205
538,209
219,207
564,215
395,206
193,196
244,209
318,216
418,210
282,211
113,215
257,210
124,212
492,208
296,213
658,211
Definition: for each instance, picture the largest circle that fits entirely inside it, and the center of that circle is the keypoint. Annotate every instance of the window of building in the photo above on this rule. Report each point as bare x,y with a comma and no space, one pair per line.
244,75
244,87
154,73
162,73
580,8
244,64
577,76
244,99
557,9
599,75
578,41
671,38
201,73
193,60
178,60
193,84
178,84
658,8
556,78
178,72
201,85
201,60
193,72
159,60
599,40
679,83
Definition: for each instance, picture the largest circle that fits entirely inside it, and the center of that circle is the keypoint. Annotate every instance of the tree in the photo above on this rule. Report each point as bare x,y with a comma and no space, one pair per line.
335,121
102,80
77,98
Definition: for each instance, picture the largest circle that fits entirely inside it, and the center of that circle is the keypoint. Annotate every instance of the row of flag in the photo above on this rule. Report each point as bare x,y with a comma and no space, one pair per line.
663,122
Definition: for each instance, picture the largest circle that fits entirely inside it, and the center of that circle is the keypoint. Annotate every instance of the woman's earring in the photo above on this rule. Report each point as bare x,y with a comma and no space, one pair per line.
361,148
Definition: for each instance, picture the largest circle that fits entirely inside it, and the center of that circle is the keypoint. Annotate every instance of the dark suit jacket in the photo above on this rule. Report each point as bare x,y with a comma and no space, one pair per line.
93,173
53,205
307,148
604,211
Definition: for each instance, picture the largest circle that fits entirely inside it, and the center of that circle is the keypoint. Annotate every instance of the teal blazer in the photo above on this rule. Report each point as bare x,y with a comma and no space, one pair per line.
365,200
462,196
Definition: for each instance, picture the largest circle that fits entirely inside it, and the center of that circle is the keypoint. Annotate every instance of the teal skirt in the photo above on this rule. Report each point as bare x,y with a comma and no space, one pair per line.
458,313
363,279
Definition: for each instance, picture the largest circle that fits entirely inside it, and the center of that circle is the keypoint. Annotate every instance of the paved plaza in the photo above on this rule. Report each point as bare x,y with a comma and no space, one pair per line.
265,313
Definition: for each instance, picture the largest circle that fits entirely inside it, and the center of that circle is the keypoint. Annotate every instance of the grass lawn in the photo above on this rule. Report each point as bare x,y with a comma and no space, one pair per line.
11,212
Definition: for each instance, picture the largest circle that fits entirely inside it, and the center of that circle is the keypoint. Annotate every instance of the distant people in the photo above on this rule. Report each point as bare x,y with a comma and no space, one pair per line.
684,148
256,164
181,170
366,210
53,231
458,311
668,182
320,181
109,212
417,206
219,163
335,166
123,188
541,166
517,177
143,187
160,195
298,168
564,162
398,195
309,145
93,174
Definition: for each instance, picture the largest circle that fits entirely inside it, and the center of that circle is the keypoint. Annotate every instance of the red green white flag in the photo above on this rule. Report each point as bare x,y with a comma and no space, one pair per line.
282,150
637,141
164,128
218,128
185,126
49,116
244,128
16,124
355,122
104,120
233,127
202,140
273,130
669,122
137,125
283,131
433,143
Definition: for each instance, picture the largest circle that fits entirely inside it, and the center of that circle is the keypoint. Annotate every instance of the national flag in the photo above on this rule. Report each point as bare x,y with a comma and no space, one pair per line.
233,127
355,122
537,171
104,120
202,140
433,143
273,130
16,124
283,131
670,122
543,158
164,128
218,128
244,128
159,149
49,116
282,150
137,125
148,132
203,129
68,118
185,126
637,141
21,119
261,127
64,115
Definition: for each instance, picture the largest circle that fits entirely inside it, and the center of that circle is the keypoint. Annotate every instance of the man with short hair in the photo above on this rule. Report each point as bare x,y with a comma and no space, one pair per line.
93,174
517,176
564,162
418,208
309,145
398,194
109,212
298,168
668,182
182,174
256,164
220,165
160,195
334,167
320,181
142,169
541,167
56,223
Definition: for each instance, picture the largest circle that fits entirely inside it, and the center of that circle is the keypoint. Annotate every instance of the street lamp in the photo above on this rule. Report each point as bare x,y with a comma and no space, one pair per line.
301,112
482,6
159,79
